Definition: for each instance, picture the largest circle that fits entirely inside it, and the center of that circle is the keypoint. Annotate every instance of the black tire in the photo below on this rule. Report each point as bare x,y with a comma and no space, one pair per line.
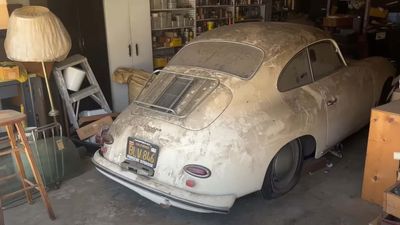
386,90
283,171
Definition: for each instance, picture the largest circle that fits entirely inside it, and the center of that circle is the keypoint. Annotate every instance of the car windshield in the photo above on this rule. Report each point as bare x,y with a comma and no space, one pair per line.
234,58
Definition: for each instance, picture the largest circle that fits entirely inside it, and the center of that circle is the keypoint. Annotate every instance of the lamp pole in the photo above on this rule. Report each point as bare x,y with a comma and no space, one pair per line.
53,112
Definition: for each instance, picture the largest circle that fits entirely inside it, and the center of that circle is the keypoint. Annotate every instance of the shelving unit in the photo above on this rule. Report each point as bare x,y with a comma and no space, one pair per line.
174,27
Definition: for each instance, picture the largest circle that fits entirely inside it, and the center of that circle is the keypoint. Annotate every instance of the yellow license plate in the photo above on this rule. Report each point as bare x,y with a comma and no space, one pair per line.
142,152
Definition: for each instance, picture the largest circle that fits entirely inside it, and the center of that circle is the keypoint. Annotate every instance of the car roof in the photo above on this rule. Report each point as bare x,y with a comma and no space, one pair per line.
272,37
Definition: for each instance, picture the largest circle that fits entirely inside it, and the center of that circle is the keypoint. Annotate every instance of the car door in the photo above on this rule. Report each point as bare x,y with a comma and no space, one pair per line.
347,91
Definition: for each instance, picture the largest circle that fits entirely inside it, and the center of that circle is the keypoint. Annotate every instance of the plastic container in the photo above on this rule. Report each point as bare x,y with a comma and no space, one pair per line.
172,4
73,78
155,4
155,21
179,20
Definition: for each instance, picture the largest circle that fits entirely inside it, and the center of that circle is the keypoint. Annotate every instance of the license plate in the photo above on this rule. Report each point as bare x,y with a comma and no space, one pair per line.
142,152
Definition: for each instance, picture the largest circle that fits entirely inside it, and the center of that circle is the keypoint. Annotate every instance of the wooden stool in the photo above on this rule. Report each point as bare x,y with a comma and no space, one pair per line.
9,119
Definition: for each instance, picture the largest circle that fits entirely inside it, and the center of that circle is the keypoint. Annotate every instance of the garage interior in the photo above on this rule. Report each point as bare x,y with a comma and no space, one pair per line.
71,73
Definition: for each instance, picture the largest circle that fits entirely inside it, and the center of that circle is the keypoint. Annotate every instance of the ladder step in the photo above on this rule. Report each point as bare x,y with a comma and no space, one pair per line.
71,61
7,196
7,177
5,153
86,92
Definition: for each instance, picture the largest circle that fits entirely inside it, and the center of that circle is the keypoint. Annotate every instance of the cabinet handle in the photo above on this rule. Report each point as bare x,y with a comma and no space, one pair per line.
130,50
137,49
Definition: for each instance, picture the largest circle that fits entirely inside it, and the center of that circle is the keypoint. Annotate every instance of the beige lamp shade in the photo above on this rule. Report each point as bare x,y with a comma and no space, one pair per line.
36,35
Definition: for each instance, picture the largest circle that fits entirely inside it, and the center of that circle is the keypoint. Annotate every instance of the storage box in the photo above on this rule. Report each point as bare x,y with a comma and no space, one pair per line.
338,21
391,200
378,12
9,73
175,42
3,15
160,62
36,68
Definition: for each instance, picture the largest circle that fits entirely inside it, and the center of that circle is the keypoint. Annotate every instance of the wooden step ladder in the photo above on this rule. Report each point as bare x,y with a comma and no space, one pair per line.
93,90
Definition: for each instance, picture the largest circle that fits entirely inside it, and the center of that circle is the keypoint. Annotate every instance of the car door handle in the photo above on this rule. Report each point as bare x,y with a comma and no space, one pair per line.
332,101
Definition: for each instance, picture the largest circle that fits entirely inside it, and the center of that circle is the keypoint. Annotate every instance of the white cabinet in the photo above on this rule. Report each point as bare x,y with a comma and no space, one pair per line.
128,31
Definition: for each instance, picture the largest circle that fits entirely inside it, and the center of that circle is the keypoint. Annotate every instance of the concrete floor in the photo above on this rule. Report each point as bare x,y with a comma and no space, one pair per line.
331,198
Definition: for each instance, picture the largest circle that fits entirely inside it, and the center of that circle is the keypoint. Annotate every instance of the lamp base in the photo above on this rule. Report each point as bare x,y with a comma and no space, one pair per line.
54,113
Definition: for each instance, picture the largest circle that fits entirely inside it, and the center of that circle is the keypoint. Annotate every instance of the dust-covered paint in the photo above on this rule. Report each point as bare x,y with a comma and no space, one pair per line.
237,129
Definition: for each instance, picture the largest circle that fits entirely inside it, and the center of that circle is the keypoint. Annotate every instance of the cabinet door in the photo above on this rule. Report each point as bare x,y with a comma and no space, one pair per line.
116,13
141,46
128,31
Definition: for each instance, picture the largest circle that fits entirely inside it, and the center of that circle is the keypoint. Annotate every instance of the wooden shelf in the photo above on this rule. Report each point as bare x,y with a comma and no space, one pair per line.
214,6
172,28
162,48
175,9
248,20
252,5
209,19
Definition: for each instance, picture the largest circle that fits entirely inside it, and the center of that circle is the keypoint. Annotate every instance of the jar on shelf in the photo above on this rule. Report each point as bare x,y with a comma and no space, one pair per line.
172,4
155,21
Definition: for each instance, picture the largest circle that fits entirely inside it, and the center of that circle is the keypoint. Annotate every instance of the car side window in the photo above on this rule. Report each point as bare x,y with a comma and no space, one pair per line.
296,73
324,59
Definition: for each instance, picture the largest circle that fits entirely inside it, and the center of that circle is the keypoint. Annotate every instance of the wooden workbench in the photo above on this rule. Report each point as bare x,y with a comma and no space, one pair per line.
380,169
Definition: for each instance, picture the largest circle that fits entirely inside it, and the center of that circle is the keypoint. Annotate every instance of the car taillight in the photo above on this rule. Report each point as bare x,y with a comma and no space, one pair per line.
107,139
197,170
104,137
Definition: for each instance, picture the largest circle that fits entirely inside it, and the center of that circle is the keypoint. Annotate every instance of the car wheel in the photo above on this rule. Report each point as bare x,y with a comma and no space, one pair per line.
386,91
283,171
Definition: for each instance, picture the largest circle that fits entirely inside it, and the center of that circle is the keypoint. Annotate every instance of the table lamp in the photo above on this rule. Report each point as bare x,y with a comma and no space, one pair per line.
36,35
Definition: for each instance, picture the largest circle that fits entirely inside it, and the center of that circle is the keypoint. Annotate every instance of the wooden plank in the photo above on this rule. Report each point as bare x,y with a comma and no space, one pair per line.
380,170
1,213
93,128
96,117
391,203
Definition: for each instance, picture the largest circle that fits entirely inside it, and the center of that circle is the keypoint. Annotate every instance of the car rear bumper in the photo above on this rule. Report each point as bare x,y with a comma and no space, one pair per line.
163,194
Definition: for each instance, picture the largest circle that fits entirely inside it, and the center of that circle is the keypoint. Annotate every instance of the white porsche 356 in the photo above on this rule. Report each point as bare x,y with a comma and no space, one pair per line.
236,111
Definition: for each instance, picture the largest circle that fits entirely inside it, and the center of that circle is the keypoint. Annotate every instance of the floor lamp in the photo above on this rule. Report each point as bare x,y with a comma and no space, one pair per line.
36,35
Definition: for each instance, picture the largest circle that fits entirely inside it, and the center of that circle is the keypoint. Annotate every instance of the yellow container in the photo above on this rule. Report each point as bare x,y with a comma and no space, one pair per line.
175,42
160,62
9,73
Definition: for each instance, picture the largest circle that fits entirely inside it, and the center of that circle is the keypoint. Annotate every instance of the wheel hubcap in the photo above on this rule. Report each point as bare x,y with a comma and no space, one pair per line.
285,165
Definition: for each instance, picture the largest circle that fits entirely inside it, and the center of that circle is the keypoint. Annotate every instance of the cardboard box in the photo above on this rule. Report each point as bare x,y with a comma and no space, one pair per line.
3,15
94,128
36,68
9,73
338,21
391,201
378,12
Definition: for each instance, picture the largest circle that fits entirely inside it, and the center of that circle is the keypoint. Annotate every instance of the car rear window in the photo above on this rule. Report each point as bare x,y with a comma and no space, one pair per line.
234,58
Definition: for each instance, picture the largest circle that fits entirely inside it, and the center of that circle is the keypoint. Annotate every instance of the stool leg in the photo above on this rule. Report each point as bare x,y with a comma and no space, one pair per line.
20,166
1,214
35,170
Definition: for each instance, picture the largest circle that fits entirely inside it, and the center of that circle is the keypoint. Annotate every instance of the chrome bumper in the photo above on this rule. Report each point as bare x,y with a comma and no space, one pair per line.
164,195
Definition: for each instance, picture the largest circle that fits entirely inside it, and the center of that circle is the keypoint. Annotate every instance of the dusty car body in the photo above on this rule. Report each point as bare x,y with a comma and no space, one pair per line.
217,122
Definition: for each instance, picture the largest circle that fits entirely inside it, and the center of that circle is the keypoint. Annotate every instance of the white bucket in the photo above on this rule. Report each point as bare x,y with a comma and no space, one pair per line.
73,78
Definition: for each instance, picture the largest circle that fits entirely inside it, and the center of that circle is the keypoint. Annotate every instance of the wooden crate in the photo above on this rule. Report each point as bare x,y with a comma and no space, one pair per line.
391,201
380,169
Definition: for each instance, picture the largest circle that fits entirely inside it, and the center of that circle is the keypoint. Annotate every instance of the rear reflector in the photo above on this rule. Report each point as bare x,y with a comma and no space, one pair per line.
190,183
197,170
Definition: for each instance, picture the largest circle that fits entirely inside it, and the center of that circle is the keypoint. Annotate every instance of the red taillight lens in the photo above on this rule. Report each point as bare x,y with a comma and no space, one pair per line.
107,139
104,137
197,171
